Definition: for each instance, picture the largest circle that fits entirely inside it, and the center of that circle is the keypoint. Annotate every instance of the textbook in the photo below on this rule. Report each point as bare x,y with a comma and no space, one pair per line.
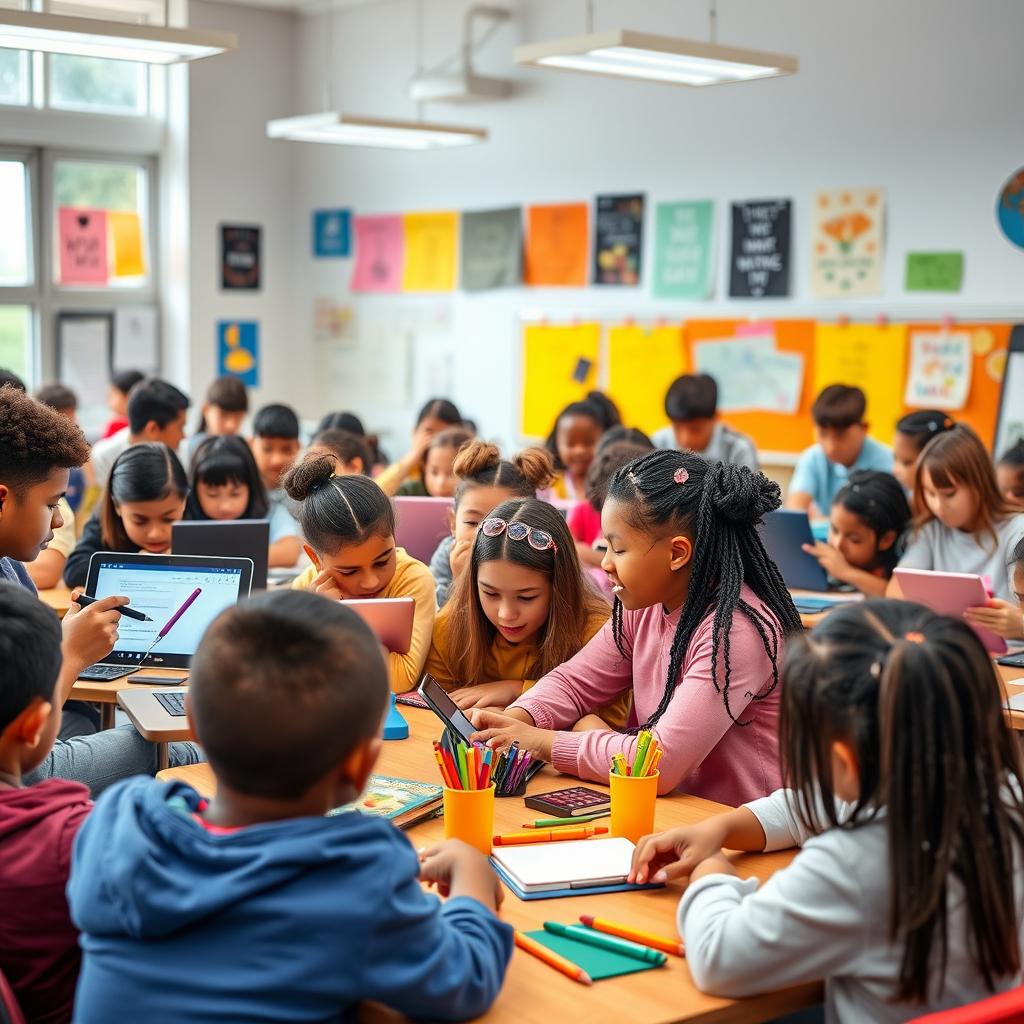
404,802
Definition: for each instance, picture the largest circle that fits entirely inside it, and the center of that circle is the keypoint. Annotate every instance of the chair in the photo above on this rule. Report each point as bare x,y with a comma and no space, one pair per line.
10,1012
1005,1008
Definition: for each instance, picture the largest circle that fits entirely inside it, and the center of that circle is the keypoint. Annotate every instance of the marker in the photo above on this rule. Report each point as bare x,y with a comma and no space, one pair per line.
172,620
554,836
612,944
599,924
84,600
552,959
565,822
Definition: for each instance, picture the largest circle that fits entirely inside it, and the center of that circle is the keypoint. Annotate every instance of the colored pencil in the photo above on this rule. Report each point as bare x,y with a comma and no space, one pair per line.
609,942
673,946
552,959
552,836
564,822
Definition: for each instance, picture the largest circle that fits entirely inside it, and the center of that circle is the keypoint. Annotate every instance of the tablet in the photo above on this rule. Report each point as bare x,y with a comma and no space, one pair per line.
949,593
390,618
421,524
782,533
159,585
231,538
445,708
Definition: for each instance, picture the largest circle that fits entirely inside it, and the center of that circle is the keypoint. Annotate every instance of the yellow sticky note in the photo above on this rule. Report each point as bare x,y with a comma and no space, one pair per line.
126,235
643,362
430,251
869,357
559,367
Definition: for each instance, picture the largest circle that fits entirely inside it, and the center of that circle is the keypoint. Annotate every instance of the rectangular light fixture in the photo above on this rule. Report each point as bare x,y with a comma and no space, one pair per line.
115,40
626,54
348,130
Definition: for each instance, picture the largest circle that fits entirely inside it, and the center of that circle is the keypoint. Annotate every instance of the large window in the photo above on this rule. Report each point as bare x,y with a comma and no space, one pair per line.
14,78
97,85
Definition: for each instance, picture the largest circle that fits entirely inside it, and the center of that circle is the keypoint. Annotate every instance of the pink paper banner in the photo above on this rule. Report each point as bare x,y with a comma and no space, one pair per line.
83,245
380,242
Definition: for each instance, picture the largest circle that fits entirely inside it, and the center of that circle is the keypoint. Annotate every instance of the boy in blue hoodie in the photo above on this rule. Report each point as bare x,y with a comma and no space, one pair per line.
254,906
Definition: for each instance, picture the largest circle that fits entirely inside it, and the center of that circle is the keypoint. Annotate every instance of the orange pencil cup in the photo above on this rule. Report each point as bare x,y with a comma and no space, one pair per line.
633,800
469,816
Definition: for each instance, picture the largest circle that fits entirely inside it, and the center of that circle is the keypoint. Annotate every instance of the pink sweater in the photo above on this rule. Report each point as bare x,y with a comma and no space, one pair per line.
706,753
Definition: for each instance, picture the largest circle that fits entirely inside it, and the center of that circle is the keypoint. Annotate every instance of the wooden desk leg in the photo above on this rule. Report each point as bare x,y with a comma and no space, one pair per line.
163,756
108,714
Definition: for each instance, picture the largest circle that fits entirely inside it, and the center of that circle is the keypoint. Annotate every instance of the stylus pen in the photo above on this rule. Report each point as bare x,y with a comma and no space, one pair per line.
172,620
85,600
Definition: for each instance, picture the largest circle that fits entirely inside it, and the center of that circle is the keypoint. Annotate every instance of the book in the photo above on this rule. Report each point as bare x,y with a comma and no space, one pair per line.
571,802
404,802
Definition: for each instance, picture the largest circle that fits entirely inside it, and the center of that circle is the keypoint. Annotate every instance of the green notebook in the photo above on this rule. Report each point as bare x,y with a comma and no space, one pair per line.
598,963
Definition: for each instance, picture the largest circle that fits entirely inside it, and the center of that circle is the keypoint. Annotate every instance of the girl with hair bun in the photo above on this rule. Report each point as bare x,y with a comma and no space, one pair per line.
697,635
521,609
349,524
483,481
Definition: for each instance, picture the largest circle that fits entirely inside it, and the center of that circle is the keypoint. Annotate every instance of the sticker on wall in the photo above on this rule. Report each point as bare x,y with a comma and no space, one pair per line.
238,351
760,249
332,233
682,250
240,257
83,245
1010,208
846,257
618,239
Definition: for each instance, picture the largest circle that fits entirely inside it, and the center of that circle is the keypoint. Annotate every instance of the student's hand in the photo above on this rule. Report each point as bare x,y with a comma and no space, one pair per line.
499,730
89,634
488,695
829,558
326,585
458,557
421,438
666,856
1000,617
455,867
718,864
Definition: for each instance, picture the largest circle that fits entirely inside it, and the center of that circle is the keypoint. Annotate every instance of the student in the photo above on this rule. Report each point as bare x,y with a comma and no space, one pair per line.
352,424
485,480
905,798
63,400
610,415
584,520
697,633
843,446
961,521
913,432
226,485
9,379
255,904
145,496
437,477
38,944
224,410
691,403
350,451
521,609
1010,475
275,446
37,448
1005,617
435,416
867,523
121,385
573,443
156,413
349,526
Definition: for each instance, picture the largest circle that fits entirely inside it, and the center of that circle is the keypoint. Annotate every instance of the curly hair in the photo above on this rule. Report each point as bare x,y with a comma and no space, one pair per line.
35,440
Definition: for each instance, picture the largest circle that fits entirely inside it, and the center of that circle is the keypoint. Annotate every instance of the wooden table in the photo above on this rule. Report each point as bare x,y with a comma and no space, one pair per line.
105,693
152,721
535,994
810,619
58,598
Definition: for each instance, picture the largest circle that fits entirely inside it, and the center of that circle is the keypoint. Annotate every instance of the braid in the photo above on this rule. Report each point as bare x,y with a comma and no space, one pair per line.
719,506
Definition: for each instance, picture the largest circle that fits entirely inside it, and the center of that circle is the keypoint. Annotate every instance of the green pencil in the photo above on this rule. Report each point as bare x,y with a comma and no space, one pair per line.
557,822
609,942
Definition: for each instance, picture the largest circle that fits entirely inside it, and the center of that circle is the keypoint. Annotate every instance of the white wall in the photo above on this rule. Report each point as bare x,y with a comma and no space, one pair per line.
921,97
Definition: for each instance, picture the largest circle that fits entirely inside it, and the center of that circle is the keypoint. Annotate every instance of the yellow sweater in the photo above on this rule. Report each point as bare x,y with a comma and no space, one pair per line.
411,579
505,660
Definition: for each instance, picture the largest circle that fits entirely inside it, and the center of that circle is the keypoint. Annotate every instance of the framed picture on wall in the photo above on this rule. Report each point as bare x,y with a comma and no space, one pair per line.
240,257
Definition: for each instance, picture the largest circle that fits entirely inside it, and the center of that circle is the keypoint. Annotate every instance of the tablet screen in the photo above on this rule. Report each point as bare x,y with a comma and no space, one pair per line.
445,708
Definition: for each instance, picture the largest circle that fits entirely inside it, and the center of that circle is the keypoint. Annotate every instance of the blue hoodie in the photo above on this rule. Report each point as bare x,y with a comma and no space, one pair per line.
295,920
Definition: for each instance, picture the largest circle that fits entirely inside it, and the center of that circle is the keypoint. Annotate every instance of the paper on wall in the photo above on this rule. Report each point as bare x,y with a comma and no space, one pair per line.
752,376
940,370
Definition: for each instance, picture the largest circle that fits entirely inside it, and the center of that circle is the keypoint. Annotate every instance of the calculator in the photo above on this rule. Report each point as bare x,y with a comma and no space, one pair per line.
571,802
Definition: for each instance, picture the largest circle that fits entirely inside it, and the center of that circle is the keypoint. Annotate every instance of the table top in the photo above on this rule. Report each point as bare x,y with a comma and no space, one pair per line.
106,692
533,992
149,717
58,598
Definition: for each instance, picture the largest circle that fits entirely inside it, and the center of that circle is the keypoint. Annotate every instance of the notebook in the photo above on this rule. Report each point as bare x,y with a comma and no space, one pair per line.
598,963
582,865
402,801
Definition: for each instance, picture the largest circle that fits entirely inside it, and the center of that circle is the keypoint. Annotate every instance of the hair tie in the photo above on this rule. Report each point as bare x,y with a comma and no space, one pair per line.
914,638
681,475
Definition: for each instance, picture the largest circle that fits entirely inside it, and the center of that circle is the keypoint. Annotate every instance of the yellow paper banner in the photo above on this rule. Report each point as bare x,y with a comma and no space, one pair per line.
643,362
126,236
871,358
559,367
430,251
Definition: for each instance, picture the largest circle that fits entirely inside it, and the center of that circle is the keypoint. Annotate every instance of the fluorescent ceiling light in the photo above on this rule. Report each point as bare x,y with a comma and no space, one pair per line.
116,40
626,54
348,130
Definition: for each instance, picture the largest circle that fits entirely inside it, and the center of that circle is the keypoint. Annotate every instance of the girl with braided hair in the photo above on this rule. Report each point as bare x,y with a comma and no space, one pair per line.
698,629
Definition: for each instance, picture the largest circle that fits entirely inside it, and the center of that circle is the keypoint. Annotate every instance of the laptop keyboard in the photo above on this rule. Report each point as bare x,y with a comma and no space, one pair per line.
99,673
173,703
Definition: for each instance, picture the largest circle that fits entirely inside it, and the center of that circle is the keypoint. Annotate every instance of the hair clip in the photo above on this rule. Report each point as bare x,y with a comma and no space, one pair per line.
876,670
914,638
632,479
681,475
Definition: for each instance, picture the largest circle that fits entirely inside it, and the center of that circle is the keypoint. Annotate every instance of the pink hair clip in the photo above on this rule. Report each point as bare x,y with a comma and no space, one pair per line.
681,475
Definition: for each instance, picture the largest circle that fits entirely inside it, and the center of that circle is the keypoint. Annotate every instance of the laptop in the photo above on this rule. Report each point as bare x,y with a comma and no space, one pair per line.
782,533
421,524
159,585
232,538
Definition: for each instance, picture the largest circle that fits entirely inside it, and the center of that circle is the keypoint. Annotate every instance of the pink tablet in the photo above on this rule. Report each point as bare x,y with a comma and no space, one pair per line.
389,617
949,593
421,524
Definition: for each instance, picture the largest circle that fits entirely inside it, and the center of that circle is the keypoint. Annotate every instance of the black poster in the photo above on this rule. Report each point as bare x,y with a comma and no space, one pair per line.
760,248
239,257
618,239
